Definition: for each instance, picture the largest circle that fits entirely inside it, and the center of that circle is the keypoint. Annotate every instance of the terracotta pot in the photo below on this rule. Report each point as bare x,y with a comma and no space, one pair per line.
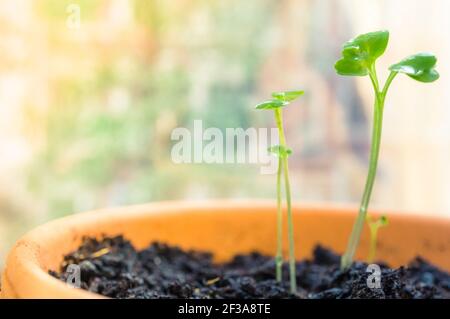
223,227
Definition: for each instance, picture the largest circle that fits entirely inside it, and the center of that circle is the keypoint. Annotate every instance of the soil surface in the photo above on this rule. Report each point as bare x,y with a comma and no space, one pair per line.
114,268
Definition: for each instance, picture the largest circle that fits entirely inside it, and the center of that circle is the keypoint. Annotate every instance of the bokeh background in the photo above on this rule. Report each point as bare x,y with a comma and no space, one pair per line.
86,112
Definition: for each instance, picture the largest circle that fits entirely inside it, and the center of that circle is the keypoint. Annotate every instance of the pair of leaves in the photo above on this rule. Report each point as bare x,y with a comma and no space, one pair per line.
360,54
280,151
280,99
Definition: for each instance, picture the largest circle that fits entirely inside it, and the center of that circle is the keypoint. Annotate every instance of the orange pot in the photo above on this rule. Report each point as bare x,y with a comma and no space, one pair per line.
223,227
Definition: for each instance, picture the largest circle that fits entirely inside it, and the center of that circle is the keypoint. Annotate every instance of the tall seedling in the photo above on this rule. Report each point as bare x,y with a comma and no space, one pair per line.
280,100
358,59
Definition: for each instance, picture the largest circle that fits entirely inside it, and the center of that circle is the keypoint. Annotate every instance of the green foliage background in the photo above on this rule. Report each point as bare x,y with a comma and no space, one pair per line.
95,156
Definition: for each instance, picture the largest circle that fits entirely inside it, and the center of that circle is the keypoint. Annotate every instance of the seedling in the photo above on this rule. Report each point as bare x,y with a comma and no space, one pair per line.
374,226
280,100
358,59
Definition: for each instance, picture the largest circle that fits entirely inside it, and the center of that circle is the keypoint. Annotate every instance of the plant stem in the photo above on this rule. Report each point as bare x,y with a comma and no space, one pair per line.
292,270
355,235
292,274
279,255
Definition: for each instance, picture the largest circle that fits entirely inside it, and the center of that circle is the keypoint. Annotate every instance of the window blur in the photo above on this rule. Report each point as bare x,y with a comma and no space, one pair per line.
87,106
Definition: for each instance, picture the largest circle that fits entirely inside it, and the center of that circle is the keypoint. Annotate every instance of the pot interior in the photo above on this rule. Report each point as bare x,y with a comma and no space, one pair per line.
229,229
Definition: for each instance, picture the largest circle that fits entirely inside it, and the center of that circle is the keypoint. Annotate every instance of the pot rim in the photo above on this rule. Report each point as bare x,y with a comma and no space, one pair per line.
28,245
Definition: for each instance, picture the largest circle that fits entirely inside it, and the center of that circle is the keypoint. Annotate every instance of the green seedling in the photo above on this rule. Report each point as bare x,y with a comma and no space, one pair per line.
280,100
374,226
358,59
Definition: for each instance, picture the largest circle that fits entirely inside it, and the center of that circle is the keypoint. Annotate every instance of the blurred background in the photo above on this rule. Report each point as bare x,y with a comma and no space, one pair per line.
90,91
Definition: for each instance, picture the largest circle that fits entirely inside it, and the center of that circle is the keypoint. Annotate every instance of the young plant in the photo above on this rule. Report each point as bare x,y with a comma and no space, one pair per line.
358,59
374,226
280,100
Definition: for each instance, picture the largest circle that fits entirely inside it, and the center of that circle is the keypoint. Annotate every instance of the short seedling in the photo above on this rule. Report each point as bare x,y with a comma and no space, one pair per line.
280,100
358,59
374,226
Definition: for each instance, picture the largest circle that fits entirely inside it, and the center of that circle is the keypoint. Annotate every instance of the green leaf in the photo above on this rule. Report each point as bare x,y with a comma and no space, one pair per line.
347,67
383,220
280,151
272,104
419,66
287,96
377,223
359,54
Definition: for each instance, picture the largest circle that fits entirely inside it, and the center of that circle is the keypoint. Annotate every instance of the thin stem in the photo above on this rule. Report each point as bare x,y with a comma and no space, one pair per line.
292,270
388,84
374,78
355,235
292,274
279,255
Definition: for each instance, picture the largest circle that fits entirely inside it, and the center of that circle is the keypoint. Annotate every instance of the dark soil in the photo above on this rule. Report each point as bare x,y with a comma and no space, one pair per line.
114,268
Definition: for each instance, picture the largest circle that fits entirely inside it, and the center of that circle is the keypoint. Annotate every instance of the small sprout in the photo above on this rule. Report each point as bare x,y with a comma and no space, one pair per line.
374,226
280,151
282,99
358,59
